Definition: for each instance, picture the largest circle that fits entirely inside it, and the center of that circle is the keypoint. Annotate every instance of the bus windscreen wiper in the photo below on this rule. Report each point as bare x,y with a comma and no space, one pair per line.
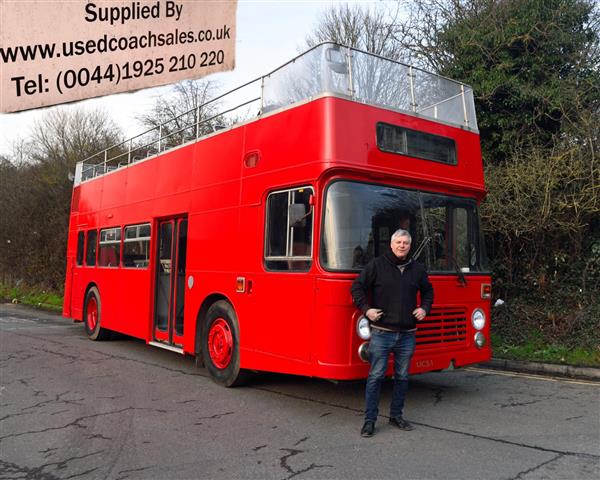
421,247
461,276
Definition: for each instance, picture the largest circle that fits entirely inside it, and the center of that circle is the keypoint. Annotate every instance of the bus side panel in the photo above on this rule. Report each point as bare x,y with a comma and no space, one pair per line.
90,200
170,181
81,277
214,243
140,187
133,302
217,161
212,248
278,316
336,353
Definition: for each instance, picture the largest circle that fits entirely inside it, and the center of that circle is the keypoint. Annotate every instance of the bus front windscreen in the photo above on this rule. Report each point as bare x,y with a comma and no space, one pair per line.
360,218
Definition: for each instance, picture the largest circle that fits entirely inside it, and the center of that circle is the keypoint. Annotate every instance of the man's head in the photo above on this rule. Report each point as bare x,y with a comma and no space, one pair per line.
400,243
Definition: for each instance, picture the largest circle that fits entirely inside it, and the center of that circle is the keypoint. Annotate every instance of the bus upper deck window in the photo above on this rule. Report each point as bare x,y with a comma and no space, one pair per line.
413,143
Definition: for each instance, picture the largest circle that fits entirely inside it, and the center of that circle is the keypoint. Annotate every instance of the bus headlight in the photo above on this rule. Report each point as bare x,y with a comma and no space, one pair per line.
363,328
478,319
480,340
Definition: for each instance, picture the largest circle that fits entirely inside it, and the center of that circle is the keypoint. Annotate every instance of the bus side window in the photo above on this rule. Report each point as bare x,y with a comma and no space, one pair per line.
288,240
110,247
80,247
90,252
136,246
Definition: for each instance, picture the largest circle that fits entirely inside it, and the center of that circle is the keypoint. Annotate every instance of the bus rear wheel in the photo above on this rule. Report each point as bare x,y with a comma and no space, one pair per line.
92,313
221,345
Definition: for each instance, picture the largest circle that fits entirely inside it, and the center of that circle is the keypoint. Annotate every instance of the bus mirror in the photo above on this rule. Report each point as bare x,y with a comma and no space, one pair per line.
297,215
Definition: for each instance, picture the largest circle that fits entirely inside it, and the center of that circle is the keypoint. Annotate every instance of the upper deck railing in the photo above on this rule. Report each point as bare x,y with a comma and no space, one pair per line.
326,69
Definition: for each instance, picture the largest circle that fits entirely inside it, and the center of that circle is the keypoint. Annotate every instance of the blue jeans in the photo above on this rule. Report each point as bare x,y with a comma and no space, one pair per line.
402,345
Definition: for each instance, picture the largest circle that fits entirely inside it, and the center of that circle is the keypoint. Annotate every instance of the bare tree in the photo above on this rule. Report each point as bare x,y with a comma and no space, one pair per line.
35,193
184,113
370,29
66,136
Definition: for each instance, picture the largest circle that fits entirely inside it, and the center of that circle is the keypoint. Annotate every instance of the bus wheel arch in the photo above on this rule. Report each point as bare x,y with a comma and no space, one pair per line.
92,315
206,304
220,344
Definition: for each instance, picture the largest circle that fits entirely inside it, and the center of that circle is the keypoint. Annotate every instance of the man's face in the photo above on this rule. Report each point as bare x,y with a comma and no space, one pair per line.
400,246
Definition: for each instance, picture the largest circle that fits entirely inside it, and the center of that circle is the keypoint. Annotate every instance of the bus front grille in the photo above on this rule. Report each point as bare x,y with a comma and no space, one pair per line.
444,326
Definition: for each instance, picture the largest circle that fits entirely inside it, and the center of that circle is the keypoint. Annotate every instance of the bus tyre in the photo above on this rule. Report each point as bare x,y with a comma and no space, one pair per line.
221,345
92,312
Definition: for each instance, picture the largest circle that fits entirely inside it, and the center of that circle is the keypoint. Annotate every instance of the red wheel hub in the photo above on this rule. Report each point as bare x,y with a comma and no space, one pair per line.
92,313
220,343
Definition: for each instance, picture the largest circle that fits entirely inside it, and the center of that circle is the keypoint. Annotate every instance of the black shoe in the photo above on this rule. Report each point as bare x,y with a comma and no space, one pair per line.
401,424
368,429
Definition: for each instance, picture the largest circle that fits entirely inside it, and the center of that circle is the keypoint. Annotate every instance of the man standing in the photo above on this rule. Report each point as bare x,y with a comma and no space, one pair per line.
392,280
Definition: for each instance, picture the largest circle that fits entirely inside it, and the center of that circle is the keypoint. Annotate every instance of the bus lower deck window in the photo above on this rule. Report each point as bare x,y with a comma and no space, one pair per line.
136,246
109,247
90,251
80,247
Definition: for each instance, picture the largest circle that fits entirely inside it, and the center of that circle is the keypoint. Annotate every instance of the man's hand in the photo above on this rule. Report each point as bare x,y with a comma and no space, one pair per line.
419,313
374,314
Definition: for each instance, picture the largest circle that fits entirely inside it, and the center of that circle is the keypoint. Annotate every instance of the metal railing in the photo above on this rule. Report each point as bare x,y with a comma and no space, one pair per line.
326,69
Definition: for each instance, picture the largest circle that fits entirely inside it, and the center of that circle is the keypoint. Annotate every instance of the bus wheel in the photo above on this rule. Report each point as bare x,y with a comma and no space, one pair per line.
221,345
91,316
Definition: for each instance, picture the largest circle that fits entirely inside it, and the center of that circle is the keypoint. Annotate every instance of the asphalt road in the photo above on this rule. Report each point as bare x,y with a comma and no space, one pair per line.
72,408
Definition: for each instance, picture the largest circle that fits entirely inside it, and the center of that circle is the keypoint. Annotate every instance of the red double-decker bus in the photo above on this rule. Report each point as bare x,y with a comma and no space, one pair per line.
235,237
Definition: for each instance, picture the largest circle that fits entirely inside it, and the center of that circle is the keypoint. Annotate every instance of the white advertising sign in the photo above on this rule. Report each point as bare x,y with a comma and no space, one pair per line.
54,52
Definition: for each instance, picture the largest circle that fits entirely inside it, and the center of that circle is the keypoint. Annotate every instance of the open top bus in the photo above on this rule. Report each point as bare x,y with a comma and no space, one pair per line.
235,238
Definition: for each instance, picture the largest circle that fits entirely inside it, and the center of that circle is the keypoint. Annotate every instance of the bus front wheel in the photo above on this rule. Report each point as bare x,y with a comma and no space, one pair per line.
221,345
92,314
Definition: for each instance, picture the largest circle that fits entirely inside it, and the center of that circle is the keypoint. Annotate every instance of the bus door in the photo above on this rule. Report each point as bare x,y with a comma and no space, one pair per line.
170,281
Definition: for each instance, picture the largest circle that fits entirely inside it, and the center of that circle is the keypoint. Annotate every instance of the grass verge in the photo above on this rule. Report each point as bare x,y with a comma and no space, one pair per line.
533,350
35,297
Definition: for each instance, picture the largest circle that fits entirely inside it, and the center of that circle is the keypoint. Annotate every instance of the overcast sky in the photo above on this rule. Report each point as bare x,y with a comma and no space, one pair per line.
269,33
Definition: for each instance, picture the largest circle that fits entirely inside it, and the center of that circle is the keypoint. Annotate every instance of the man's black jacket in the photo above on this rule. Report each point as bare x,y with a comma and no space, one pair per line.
393,291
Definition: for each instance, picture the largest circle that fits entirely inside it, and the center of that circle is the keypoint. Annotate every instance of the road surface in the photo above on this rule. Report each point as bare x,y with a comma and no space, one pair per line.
72,408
